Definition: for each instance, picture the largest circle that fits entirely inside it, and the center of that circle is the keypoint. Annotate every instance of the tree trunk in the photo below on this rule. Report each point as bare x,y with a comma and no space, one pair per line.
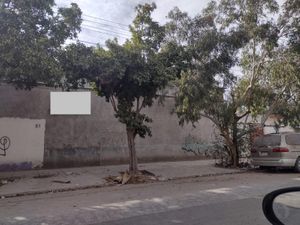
235,144
232,145
235,156
133,168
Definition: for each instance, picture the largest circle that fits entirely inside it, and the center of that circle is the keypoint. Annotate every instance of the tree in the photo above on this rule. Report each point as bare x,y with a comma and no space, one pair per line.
232,35
131,74
285,67
79,63
32,33
282,87
277,89
290,23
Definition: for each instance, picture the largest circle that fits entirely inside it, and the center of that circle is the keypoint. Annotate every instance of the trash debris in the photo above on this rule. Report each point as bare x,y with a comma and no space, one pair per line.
146,172
40,176
126,178
4,182
37,167
69,173
162,179
62,181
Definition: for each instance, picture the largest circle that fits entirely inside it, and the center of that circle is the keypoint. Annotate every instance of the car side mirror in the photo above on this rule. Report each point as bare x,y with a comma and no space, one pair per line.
282,206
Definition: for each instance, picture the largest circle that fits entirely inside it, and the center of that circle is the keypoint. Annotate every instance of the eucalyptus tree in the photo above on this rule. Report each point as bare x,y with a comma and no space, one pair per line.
285,66
229,47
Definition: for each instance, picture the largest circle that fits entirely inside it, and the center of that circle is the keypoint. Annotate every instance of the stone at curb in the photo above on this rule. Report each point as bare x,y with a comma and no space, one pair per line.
4,182
30,193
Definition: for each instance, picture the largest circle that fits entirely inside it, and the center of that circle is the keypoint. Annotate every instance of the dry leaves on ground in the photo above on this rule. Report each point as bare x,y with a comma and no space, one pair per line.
126,178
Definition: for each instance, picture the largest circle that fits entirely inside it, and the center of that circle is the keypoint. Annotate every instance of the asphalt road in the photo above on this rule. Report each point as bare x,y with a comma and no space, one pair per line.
228,199
245,211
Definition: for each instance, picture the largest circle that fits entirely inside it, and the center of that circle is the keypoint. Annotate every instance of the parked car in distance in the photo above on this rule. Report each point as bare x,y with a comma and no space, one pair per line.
277,150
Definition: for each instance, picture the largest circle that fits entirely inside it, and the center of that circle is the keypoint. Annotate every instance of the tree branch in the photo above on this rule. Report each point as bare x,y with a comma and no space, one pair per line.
254,74
113,103
275,103
137,105
211,119
244,132
243,115
142,105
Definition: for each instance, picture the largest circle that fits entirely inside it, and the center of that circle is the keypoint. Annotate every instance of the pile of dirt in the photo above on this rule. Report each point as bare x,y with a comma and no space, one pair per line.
142,176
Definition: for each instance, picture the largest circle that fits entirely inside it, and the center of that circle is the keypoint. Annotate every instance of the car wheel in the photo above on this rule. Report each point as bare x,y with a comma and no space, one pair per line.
263,167
297,165
267,168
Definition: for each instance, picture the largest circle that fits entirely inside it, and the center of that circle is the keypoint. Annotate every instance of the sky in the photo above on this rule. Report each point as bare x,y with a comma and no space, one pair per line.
106,19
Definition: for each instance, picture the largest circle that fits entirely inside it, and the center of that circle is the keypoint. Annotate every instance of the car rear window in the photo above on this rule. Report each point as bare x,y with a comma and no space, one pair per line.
292,139
270,140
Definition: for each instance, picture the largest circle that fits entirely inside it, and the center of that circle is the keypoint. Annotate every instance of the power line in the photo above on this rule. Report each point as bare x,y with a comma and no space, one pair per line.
106,33
98,18
107,25
95,17
89,42
101,29
82,41
110,34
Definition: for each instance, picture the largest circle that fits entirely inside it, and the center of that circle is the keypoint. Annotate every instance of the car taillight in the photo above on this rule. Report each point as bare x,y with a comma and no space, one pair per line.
280,150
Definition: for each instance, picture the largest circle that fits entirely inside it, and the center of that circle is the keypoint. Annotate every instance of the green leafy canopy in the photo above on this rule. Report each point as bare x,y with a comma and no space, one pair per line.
32,33
134,72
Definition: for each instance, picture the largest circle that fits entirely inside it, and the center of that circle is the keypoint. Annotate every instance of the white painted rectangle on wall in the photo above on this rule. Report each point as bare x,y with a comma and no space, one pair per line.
70,103
21,142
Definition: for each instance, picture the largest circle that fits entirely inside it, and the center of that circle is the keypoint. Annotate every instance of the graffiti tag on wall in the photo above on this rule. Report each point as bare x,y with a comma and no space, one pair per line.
4,145
196,146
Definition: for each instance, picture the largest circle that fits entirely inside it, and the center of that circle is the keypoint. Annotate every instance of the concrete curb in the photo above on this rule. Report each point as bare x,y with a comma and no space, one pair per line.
57,190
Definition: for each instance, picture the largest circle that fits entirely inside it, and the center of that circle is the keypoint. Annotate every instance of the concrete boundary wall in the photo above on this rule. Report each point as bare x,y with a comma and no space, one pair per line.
21,143
97,139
